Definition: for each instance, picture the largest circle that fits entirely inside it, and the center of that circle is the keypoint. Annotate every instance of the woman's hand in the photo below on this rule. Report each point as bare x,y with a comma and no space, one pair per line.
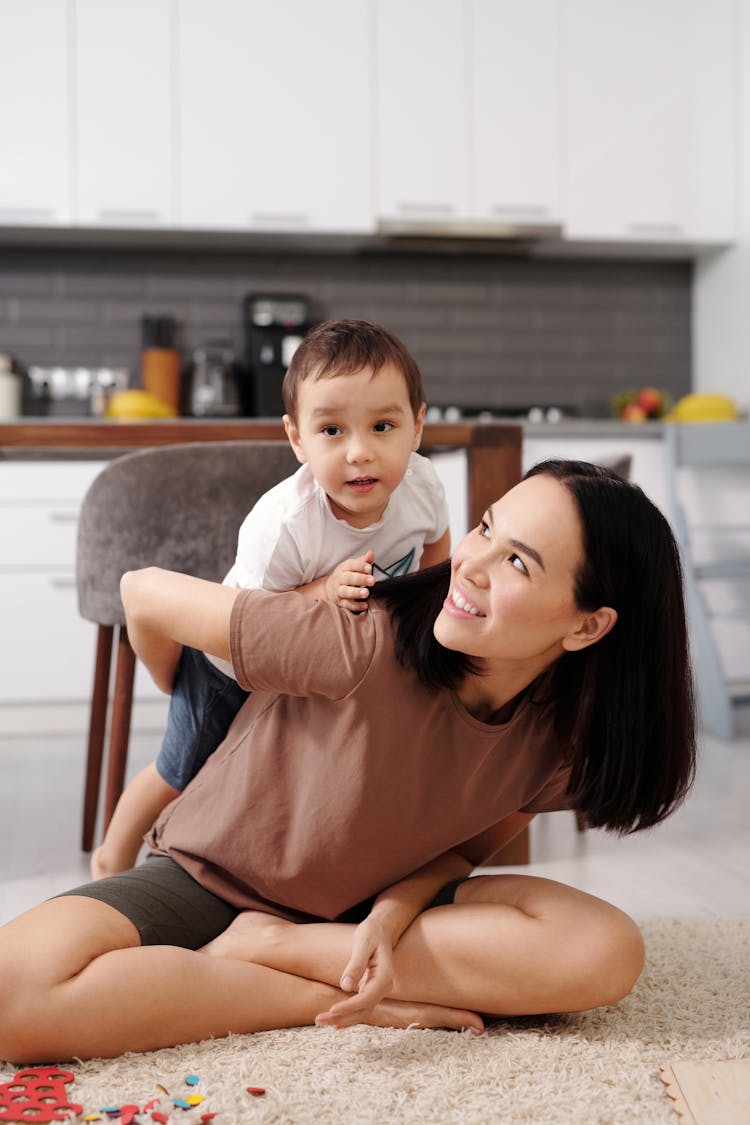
368,974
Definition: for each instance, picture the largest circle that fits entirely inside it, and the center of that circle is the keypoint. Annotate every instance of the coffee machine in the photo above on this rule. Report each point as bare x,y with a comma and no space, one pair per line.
275,324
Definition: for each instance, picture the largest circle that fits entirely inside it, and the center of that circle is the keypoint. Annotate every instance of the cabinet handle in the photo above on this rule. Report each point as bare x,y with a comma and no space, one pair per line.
280,218
426,208
656,228
522,209
128,214
34,214
63,583
63,517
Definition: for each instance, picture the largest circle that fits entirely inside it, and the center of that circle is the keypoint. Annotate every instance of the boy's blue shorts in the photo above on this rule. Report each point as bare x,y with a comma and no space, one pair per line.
203,704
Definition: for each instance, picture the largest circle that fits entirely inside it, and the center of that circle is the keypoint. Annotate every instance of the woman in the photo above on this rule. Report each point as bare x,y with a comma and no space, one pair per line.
379,759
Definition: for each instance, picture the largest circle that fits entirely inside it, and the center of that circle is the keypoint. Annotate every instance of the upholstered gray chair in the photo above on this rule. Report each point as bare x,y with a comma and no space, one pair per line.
178,507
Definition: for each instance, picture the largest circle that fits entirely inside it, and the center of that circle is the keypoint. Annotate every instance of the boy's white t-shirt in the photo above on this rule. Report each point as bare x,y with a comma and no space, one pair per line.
292,537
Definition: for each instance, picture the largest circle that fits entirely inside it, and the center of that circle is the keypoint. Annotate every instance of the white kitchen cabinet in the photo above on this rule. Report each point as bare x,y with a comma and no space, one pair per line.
421,85
48,649
649,112
274,118
35,114
468,95
514,118
123,155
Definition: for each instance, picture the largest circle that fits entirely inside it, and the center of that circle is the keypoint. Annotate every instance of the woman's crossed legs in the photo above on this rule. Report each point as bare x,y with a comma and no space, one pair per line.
507,945
75,980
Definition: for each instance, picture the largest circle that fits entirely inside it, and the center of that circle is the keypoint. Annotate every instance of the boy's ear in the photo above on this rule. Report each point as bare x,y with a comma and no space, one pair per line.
419,424
294,439
593,627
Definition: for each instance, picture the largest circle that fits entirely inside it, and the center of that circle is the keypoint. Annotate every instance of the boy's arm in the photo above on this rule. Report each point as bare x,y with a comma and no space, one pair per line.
369,972
436,552
165,610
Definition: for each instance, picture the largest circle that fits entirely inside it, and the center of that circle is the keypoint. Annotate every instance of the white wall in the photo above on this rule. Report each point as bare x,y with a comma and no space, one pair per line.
721,291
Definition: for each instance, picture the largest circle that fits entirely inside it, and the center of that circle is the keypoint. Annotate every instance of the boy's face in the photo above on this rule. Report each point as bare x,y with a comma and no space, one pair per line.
356,433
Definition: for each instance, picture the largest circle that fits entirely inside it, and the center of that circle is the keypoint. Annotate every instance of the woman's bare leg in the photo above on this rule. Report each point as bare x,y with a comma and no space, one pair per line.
510,945
75,981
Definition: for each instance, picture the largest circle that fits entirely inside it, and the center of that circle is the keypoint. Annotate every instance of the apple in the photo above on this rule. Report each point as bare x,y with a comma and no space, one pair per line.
632,412
650,401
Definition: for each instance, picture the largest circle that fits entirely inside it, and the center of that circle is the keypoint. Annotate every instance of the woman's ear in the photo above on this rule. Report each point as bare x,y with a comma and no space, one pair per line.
419,426
294,439
593,627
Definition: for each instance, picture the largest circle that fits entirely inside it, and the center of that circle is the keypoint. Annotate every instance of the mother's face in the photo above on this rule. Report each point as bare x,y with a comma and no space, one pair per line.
511,599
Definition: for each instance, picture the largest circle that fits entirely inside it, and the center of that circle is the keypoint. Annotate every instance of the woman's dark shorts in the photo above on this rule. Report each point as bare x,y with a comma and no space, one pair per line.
168,907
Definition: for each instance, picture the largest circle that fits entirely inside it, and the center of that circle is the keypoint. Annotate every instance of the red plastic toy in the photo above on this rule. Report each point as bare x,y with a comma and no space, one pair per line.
37,1094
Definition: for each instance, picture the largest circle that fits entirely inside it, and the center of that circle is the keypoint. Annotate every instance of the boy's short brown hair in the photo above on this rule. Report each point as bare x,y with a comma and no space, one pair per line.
343,347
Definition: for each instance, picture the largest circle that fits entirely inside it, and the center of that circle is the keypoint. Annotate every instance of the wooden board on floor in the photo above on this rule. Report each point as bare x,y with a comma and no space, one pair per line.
709,1093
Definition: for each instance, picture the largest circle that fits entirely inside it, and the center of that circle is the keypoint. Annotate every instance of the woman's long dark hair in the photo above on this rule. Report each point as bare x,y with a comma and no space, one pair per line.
624,709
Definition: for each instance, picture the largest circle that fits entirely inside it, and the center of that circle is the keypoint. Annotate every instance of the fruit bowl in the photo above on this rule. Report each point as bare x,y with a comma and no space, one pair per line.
642,405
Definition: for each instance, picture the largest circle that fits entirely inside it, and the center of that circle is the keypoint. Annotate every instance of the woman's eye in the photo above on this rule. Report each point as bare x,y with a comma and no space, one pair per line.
331,431
383,427
484,529
518,563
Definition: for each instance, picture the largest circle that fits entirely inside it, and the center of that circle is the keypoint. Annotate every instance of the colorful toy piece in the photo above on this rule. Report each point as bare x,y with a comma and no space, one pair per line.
37,1094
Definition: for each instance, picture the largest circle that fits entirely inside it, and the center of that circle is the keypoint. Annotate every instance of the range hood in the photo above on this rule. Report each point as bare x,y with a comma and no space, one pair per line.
464,235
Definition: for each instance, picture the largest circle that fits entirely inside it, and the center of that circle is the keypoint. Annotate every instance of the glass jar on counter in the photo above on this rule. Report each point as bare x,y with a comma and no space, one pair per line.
11,387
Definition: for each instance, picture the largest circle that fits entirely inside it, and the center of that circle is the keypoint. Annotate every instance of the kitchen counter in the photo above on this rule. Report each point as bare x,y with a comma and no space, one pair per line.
493,450
595,428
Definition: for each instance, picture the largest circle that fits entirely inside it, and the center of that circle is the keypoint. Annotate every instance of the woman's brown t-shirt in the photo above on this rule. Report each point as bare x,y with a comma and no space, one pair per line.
342,773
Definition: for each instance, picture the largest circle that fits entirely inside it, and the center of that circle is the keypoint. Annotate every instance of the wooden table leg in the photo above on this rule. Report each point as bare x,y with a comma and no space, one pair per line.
119,735
97,726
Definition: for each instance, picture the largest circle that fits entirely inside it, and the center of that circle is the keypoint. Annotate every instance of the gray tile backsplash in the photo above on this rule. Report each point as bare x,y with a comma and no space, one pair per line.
488,331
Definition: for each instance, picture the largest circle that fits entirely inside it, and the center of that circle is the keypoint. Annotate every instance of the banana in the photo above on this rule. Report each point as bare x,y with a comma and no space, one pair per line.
138,404
703,407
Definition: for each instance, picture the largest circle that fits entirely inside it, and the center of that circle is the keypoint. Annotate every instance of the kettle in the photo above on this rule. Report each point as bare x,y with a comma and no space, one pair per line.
212,389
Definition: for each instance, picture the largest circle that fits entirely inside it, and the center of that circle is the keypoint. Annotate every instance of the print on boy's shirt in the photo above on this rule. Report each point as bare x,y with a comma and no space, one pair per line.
401,566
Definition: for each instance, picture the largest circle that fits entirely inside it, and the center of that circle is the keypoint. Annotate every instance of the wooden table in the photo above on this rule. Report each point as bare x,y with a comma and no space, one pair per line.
493,454
493,450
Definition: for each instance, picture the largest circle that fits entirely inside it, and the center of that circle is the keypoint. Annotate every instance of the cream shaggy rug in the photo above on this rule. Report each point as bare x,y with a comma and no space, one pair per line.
692,1002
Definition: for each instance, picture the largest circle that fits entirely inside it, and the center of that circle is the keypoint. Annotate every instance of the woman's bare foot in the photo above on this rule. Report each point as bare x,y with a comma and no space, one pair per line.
410,1013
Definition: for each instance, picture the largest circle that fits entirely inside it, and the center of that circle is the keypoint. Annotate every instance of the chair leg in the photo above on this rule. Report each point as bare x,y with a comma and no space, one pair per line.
119,735
97,725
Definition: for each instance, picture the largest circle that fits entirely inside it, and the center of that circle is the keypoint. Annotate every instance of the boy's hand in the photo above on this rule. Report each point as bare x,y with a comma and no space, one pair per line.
368,975
347,585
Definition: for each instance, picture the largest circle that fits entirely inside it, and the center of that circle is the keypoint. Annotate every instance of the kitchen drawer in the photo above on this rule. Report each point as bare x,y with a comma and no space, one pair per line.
48,649
40,537
39,481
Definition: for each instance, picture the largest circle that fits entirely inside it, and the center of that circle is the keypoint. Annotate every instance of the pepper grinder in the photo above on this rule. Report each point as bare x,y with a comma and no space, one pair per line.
160,360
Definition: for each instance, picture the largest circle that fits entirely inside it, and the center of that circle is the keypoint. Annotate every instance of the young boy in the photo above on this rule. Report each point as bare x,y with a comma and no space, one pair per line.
354,416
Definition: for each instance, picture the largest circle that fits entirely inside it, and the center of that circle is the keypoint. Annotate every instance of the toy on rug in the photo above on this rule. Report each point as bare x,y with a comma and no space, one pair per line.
710,1092
37,1094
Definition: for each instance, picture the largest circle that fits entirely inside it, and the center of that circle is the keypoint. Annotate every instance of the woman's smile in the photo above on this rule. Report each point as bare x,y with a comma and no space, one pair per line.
459,605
